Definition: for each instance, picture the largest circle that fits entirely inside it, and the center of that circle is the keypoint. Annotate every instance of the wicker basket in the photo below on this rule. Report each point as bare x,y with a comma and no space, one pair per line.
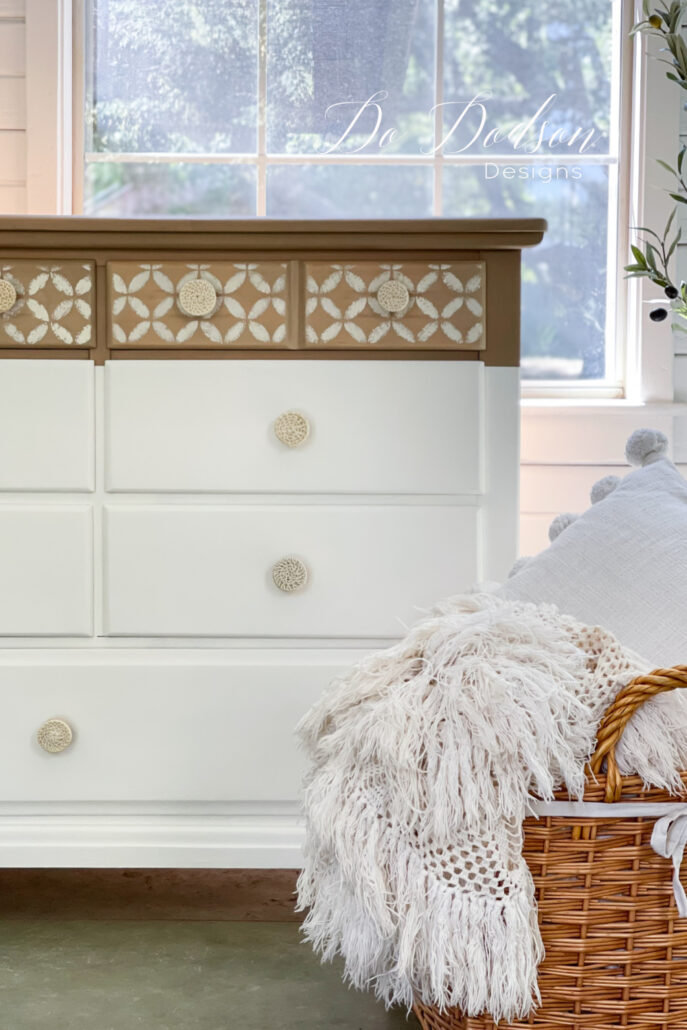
616,948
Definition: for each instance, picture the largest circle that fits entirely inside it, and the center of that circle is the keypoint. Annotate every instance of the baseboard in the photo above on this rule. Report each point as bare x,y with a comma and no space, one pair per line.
227,895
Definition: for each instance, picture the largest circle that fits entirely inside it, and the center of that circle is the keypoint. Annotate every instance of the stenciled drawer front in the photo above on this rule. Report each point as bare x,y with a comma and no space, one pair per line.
46,303
158,728
220,304
46,425
46,570
280,571
406,305
294,427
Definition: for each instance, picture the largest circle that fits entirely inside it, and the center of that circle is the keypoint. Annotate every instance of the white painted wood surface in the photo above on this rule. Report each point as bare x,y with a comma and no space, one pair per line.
12,103
12,46
46,570
12,108
190,570
12,198
12,158
375,426
183,715
98,834
501,456
49,158
593,434
12,8
556,489
153,728
46,425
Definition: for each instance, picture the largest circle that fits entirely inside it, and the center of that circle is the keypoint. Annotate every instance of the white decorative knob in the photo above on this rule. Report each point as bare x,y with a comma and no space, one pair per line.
54,735
289,574
393,296
8,295
291,428
197,298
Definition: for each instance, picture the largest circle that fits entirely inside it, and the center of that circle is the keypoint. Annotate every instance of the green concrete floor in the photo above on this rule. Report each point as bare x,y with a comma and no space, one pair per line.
115,975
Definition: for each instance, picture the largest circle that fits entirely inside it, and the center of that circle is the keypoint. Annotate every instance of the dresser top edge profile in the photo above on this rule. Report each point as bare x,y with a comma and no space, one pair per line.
70,232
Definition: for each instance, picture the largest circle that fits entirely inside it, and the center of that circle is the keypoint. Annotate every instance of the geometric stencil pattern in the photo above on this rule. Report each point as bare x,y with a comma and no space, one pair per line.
250,308
54,305
445,309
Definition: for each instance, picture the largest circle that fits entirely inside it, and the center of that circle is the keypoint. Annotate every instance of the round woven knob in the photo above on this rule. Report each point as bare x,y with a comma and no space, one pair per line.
393,296
54,735
289,574
8,295
291,428
197,298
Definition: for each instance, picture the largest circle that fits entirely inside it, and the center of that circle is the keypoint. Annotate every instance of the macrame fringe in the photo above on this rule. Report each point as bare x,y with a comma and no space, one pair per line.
428,748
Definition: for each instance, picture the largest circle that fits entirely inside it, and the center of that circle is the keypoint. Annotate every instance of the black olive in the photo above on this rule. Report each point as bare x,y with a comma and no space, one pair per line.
658,314
671,292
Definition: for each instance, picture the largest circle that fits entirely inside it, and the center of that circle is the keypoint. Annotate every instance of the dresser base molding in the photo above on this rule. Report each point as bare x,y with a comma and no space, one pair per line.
127,836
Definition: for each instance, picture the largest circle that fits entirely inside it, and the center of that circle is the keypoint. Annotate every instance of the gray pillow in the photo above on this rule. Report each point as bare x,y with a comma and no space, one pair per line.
623,563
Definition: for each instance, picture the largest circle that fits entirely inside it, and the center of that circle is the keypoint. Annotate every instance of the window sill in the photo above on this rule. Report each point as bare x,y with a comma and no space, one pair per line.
601,405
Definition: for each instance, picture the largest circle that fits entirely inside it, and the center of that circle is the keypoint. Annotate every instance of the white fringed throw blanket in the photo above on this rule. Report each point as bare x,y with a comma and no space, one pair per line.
425,758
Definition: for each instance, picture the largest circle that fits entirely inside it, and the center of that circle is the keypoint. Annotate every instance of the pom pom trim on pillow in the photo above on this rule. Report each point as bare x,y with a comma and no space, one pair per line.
646,446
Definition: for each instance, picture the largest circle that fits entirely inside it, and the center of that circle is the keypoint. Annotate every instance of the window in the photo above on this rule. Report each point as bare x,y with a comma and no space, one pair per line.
378,108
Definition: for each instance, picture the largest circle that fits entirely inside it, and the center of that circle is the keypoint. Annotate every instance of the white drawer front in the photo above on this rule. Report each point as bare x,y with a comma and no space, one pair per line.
374,426
46,425
168,731
208,571
46,578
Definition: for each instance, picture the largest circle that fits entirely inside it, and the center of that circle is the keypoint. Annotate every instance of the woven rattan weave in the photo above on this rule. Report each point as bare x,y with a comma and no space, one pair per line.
616,949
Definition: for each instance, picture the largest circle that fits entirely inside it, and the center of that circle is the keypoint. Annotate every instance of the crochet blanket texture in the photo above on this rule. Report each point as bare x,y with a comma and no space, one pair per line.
424,759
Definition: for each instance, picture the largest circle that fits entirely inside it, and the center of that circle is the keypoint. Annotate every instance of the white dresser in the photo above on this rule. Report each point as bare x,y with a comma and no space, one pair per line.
234,457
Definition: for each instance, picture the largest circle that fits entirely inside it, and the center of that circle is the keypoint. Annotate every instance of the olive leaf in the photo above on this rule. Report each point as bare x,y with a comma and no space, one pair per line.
652,257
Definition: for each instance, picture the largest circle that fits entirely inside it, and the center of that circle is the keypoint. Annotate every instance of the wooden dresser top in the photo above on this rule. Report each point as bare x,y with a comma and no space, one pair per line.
179,288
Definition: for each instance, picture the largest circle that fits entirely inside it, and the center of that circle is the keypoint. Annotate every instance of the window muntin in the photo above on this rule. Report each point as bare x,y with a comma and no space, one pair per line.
206,108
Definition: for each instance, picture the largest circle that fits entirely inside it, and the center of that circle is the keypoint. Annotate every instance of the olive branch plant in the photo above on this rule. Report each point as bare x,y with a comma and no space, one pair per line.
652,258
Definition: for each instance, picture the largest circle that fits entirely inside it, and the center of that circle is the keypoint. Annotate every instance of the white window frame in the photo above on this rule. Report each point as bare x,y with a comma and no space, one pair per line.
54,41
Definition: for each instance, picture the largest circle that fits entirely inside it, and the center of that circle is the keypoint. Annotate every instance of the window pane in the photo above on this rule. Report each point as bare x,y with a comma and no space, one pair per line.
329,52
349,82
129,190
564,278
332,191
171,76
517,54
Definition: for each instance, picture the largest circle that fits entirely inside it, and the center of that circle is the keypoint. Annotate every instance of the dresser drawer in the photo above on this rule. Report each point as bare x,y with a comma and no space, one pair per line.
189,571
46,303
46,570
390,306
350,427
219,304
161,728
46,425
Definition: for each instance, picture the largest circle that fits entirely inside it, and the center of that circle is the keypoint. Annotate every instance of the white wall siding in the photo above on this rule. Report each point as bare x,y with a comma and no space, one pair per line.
12,49
12,107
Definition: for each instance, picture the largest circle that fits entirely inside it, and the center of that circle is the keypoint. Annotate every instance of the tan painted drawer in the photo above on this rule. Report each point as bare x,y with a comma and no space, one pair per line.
389,306
219,304
46,303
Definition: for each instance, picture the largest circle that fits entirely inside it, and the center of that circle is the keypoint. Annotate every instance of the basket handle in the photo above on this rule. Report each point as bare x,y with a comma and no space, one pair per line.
617,716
